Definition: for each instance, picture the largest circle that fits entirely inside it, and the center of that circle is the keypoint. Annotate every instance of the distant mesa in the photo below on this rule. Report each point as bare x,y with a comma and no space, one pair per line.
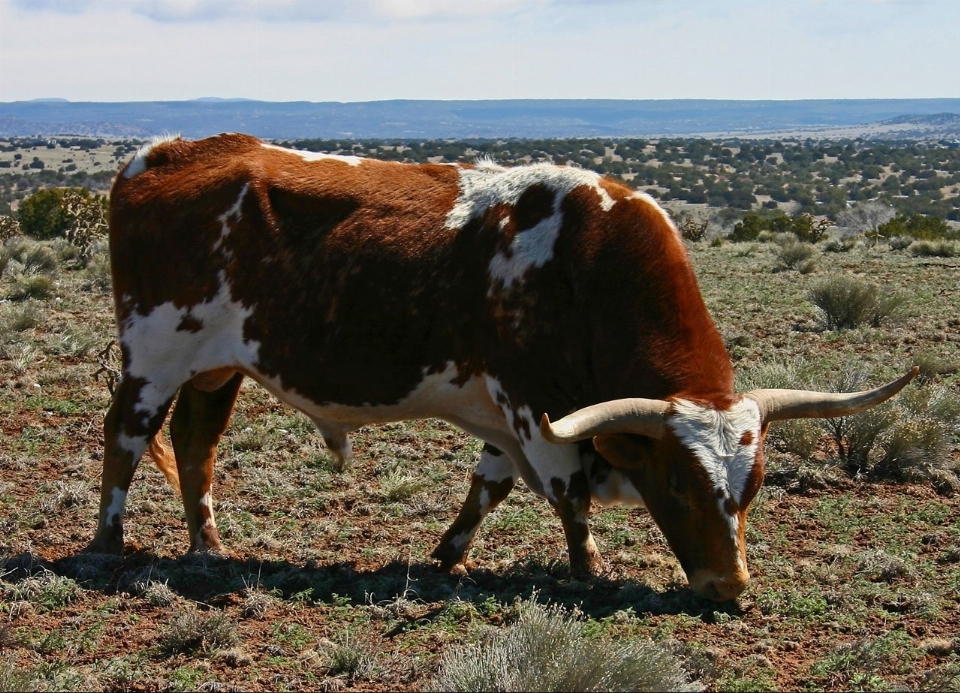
487,119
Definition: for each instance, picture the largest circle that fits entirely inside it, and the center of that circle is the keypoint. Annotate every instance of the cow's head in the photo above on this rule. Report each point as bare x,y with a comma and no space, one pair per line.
699,463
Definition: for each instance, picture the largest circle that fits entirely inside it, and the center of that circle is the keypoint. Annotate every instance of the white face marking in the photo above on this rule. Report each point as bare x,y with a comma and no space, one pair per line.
139,163
317,156
165,356
714,439
118,499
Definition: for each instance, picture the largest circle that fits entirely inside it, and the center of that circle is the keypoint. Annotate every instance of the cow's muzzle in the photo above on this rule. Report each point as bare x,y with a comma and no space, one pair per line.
720,588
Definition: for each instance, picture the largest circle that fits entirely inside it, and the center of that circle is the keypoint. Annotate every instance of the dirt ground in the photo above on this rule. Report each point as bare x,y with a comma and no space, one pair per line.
856,583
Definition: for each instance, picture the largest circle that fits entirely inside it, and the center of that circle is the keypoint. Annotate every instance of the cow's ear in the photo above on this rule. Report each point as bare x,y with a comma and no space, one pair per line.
622,450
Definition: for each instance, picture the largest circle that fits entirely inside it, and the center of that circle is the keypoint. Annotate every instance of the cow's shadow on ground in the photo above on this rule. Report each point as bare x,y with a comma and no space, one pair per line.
221,581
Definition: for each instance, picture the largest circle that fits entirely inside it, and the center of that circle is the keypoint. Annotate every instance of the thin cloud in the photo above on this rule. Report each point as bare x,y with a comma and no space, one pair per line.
352,11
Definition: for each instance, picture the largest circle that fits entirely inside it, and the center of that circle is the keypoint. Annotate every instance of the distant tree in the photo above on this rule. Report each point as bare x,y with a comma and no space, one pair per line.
57,212
919,226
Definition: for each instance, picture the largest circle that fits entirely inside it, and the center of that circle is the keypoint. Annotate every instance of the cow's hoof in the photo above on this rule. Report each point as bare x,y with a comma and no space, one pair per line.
459,569
214,551
453,565
106,542
587,572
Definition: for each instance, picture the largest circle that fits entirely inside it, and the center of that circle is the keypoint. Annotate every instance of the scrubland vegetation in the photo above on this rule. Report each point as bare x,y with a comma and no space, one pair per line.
853,543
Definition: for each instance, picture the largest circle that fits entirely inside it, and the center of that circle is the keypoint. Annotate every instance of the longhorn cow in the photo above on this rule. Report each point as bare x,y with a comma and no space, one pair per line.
359,291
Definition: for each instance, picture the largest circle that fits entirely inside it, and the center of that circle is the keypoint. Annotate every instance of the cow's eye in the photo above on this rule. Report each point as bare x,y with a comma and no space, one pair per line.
677,485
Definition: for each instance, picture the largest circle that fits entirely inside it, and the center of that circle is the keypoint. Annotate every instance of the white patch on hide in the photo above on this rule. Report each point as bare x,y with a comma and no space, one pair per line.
139,162
231,217
166,357
317,156
530,248
548,460
437,395
135,445
487,185
118,498
615,490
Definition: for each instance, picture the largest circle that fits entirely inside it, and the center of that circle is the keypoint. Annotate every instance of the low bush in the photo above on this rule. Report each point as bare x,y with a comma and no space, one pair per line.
905,439
547,650
195,631
32,257
840,245
934,249
38,287
797,256
900,242
846,302
804,227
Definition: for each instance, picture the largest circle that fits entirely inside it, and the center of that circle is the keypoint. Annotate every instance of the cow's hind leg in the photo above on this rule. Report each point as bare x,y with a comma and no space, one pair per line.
199,419
135,415
492,481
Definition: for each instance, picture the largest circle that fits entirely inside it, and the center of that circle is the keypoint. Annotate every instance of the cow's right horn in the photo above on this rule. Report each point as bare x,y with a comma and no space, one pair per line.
778,405
634,415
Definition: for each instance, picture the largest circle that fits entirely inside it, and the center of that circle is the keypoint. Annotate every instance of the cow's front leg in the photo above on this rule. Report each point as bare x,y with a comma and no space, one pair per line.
199,420
493,479
562,479
570,499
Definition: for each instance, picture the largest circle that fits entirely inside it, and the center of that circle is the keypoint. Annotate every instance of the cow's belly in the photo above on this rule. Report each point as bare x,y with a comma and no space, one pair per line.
438,395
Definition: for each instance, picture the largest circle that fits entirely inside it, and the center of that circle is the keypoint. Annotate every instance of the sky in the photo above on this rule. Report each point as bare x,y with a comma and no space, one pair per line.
372,50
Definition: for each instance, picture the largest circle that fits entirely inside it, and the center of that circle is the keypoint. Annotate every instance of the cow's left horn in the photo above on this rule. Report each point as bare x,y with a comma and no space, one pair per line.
777,405
634,415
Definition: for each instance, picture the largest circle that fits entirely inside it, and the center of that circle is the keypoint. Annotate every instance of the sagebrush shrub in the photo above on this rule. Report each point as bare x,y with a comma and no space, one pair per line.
933,365
934,249
38,286
840,245
547,650
97,275
37,258
195,631
846,303
900,242
797,256
905,439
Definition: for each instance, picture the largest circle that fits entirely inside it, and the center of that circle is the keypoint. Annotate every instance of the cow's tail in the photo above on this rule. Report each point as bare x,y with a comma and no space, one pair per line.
165,461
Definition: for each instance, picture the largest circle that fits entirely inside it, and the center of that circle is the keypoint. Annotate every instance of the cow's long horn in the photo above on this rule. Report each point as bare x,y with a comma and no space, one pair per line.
777,405
634,415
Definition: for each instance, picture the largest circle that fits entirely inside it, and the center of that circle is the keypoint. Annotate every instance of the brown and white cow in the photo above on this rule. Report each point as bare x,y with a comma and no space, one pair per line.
360,291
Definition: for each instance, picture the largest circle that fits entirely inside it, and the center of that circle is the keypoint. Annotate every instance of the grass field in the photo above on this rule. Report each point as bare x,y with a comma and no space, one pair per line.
856,577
